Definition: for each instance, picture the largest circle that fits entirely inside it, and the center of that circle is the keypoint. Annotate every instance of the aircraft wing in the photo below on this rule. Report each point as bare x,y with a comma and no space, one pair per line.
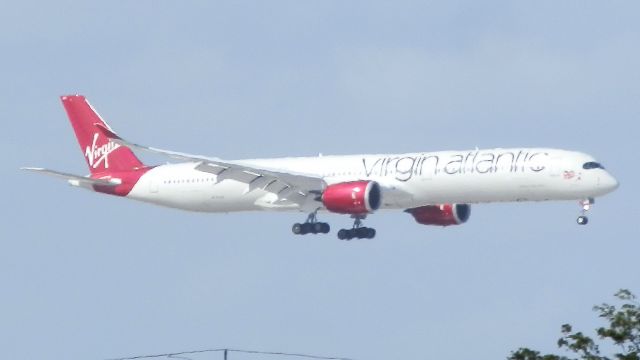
294,187
75,180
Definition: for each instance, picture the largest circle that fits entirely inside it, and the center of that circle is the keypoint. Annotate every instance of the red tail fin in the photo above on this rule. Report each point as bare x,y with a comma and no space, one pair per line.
102,154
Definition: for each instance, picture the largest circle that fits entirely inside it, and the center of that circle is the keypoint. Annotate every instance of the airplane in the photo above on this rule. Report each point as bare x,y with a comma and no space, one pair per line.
436,188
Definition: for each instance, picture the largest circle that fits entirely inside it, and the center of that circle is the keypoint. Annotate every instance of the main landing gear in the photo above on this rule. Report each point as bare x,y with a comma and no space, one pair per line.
311,226
357,231
586,206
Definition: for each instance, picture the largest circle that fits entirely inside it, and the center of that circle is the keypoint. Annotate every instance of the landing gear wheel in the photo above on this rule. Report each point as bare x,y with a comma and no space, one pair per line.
311,226
357,231
345,234
321,228
585,205
371,233
307,228
297,228
350,234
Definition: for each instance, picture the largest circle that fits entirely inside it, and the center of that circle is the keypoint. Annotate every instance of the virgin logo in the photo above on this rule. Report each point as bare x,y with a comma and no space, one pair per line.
99,154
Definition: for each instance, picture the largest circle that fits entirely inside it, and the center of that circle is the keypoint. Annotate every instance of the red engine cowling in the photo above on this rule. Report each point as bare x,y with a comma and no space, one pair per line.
353,197
443,215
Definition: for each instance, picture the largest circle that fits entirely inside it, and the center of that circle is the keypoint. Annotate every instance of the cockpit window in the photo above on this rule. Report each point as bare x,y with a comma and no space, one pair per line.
592,165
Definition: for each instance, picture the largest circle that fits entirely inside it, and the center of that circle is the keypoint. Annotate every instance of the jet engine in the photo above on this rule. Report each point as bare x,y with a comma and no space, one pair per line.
442,215
353,197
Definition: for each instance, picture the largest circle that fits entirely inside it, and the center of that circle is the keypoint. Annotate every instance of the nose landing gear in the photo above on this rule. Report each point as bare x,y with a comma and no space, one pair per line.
357,231
586,206
311,226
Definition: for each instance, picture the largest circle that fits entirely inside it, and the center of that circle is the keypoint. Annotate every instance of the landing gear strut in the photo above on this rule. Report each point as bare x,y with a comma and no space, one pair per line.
311,226
357,231
586,206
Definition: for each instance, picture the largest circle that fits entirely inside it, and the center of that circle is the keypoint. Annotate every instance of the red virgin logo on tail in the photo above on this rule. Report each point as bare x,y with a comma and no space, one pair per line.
99,154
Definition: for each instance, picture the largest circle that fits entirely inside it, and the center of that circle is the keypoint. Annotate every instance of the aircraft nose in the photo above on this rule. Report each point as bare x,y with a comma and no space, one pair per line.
608,182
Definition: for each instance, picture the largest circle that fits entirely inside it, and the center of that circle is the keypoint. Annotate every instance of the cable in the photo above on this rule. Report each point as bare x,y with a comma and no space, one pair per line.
175,355
308,356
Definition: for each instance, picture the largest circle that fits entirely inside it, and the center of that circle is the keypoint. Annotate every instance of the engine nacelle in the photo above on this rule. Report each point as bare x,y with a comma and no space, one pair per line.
443,215
353,197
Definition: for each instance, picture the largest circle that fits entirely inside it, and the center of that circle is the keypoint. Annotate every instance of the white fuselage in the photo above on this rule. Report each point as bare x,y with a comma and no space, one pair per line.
407,180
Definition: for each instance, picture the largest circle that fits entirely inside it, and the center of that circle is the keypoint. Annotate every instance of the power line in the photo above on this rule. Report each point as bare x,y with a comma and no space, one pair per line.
176,355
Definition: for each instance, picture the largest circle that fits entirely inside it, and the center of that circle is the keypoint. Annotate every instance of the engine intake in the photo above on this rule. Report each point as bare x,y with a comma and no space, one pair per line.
353,197
442,215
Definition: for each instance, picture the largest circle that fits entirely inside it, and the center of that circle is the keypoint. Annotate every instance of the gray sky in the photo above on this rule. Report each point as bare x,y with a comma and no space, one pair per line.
86,276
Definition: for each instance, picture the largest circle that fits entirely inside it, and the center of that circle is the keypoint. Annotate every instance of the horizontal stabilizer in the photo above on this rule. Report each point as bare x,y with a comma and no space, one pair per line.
75,180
